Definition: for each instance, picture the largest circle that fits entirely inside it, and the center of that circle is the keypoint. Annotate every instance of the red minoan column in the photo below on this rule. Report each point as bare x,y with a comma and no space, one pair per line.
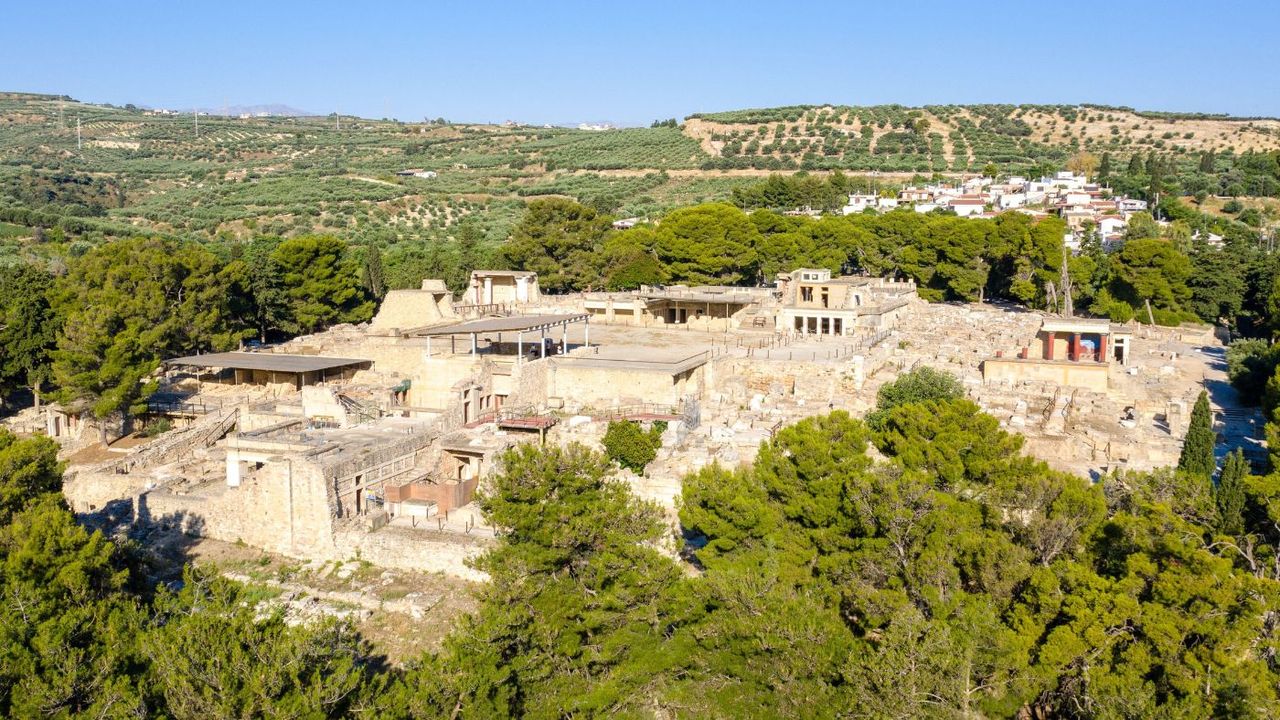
1102,348
1074,353
1048,348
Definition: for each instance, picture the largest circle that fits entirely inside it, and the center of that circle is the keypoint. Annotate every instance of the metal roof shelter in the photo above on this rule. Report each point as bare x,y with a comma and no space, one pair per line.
250,366
519,324
271,362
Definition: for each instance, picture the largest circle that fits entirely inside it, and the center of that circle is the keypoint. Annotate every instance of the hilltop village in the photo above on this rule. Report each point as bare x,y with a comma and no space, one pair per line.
371,441
1086,207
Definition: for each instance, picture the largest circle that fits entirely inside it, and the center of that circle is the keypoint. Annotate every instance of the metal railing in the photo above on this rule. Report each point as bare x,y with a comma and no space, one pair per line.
627,412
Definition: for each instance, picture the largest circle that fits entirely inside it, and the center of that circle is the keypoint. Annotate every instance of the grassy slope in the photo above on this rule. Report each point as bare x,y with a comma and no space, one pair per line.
286,175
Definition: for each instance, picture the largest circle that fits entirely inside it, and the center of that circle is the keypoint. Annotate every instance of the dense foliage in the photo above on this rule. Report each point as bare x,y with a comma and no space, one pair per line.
1161,275
631,446
98,332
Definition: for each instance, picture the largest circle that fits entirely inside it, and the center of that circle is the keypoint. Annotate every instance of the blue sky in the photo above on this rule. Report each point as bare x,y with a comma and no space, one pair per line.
632,62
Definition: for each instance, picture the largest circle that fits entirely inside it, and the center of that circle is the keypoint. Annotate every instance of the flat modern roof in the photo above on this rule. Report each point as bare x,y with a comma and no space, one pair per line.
503,273
272,362
702,297
517,323
1088,325
670,361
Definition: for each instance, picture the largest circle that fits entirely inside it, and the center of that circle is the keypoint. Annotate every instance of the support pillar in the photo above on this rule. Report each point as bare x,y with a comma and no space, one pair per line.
473,344
586,332
1074,352
1050,339
233,468
1102,348
519,347
542,344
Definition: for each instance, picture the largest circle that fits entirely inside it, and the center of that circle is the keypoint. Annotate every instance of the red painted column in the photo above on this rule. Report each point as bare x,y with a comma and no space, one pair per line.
1048,348
1074,353
1102,348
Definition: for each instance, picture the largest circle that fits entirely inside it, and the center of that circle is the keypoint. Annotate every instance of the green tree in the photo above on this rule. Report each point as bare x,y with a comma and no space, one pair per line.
630,446
321,284
68,630
921,384
1153,270
1229,493
28,328
372,275
257,292
1197,447
558,239
571,621
126,305
28,469
212,656
712,243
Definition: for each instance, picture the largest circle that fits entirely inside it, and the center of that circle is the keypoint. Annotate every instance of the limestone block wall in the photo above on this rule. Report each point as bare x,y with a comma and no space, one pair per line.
90,491
1090,376
395,356
595,387
531,383
435,378
283,507
414,549
405,309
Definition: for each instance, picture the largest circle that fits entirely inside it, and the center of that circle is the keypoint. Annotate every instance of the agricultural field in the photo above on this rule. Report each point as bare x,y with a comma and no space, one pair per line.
956,138
75,173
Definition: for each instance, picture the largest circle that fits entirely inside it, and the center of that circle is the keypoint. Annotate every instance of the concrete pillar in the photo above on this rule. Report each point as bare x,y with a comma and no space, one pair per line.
522,289
586,332
519,346
488,291
233,468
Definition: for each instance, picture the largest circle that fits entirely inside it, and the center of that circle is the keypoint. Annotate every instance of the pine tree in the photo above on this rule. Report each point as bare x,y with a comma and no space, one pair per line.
1197,447
1229,493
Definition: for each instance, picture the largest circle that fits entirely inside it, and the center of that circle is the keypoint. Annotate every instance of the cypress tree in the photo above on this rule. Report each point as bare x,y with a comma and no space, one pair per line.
1197,447
374,277
1229,493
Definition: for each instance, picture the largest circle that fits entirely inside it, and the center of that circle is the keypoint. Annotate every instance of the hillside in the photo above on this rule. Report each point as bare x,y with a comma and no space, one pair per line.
133,169
961,138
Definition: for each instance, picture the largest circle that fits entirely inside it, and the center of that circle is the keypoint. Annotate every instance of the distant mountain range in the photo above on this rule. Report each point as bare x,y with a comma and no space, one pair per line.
271,109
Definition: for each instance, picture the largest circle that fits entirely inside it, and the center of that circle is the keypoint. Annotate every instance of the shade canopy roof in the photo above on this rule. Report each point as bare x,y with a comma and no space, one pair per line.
271,362
518,323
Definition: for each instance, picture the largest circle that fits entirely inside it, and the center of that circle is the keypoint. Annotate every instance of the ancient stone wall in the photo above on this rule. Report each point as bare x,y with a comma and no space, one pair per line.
414,549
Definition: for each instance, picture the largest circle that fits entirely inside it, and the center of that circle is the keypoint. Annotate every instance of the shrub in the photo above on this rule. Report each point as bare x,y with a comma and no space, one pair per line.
922,384
630,446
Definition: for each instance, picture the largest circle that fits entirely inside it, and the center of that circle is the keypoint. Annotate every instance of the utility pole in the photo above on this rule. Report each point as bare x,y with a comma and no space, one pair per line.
196,113
337,121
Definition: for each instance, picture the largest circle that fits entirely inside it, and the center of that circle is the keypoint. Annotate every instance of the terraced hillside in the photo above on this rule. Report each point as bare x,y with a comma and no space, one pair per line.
940,138
89,171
